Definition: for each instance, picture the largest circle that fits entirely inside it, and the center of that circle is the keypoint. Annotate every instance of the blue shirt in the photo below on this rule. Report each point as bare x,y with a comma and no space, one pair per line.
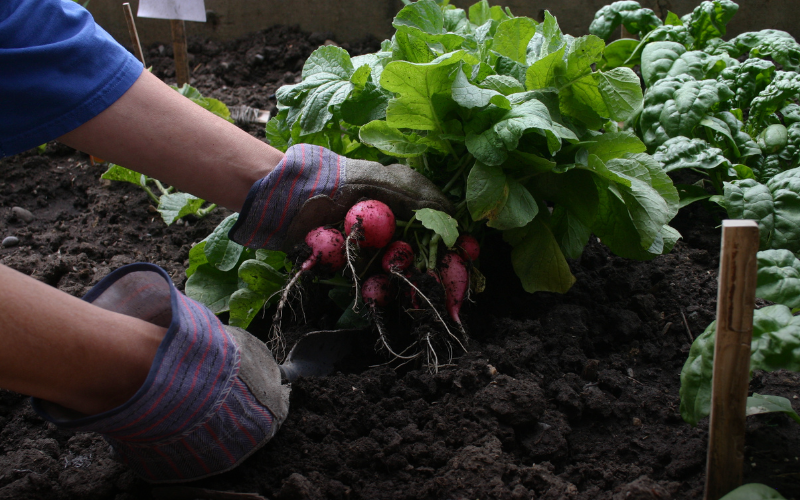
58,69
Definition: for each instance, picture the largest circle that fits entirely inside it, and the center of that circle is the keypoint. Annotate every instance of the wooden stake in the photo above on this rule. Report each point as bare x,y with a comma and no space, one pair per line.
735,304
137,46
179,49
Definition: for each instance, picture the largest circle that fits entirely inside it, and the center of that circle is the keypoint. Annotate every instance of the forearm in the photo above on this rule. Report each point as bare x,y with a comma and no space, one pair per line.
62,349
154,130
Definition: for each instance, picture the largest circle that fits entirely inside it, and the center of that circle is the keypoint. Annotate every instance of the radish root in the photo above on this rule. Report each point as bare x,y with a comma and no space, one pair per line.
351,254
277,342
382,337
435,311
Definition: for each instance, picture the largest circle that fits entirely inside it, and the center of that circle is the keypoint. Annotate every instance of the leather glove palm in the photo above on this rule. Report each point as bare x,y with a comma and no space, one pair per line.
313,187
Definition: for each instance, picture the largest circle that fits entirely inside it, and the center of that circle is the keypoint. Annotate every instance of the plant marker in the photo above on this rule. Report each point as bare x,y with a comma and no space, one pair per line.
137,45
177,11
180,52
735,303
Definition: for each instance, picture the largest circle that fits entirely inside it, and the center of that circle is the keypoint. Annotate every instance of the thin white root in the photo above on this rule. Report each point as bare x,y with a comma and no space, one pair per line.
277,342
382,337
408,359
430,351
438,316
351,257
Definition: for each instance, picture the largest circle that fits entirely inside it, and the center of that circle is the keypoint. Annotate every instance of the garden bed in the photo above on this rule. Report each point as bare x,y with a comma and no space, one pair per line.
560,396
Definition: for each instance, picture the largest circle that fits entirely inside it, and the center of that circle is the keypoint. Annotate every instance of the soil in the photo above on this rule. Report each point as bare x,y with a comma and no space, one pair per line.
570,396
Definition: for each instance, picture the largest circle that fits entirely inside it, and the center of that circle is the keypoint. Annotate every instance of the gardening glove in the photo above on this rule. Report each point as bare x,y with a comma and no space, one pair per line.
213,395
313,186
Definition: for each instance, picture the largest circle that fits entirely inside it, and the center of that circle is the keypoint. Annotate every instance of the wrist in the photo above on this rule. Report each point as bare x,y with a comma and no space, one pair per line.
131,347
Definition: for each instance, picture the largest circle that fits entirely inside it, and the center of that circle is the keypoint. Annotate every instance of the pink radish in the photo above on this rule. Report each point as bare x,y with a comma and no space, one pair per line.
398,257
374,222
328,254
455,279
467,246
327,249
375,291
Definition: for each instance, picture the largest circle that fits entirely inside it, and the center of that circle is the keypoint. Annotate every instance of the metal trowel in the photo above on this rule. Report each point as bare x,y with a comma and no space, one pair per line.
316,353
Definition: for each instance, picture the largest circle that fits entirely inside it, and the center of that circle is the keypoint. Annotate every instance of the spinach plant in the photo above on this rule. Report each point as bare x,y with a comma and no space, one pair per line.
728,110
775,344
172,204
723,108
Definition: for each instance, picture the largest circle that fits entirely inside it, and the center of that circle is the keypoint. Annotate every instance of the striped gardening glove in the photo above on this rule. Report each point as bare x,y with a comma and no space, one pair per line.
313,186
213,395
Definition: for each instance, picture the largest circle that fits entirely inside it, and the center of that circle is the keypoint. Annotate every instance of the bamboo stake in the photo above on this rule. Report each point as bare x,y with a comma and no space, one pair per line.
179,50
735,304
137,46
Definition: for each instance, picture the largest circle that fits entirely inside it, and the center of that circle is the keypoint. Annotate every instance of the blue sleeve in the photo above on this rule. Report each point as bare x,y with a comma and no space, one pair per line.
58,69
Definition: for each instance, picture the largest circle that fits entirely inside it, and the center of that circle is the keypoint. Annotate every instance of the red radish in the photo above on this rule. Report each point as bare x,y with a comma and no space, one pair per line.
327,252
455,279
375,290
467,246
398,257
373,220
327,248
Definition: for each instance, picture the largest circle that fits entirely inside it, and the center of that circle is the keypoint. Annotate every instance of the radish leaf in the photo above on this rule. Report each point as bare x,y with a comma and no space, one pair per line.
439,222
537,259
173,206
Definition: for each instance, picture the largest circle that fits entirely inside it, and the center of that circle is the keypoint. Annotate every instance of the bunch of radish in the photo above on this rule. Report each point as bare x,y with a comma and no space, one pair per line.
370,226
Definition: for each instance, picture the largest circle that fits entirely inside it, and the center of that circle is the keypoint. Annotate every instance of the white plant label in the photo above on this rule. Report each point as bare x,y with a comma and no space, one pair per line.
186,10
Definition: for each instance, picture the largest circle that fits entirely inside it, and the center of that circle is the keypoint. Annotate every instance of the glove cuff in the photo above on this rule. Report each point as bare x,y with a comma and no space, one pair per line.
193,416
273,201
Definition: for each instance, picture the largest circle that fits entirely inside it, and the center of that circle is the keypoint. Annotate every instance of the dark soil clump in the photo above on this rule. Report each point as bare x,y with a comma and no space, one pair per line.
570,396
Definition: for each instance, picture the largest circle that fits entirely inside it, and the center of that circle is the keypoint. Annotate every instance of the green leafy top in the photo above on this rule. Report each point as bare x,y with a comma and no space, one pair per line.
505,114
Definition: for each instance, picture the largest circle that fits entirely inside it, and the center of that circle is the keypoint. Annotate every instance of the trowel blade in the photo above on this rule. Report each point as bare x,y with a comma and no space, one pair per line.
316,353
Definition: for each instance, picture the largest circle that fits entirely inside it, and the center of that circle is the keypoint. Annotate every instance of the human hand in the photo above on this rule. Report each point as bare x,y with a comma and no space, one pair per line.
212,397
314,187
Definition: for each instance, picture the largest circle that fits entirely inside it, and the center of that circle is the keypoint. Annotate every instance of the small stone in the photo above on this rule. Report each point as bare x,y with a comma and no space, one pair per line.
10,241
637,422
22,214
